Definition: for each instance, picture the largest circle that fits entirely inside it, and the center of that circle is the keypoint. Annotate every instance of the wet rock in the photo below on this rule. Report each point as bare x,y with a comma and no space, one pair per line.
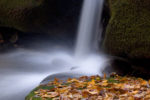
118,65
61,76
127,34
8,38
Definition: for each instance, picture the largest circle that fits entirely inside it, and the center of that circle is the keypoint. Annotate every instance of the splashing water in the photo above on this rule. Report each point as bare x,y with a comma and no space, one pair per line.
86,57
23,70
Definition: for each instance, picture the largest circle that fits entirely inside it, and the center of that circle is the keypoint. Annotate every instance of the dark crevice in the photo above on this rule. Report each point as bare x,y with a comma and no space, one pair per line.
105,20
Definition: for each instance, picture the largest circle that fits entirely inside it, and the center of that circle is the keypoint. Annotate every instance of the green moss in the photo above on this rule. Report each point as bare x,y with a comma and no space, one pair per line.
8,4
112,80
15,13
32,96
128,31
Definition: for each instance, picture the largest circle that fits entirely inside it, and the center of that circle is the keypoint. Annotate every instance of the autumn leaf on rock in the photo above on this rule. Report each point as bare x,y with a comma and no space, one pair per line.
95,88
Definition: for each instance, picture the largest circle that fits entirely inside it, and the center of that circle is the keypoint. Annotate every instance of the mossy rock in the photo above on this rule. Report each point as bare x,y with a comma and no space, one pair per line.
15,13
32,95
128,30
11,4
39,16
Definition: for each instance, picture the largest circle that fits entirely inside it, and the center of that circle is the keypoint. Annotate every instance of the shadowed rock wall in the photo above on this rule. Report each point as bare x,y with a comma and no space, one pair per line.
128,34
128,31
40,16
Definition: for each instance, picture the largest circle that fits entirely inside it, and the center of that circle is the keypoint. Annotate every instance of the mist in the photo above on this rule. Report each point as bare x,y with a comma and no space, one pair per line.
22,70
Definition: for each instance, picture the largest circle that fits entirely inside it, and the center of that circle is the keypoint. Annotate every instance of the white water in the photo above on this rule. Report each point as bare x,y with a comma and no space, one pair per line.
88,28
23,70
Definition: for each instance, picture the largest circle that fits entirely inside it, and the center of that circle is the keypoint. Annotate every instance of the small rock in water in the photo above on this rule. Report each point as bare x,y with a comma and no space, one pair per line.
72,68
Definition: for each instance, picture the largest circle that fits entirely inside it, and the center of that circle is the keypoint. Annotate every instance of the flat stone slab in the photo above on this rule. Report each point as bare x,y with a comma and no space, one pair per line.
61,76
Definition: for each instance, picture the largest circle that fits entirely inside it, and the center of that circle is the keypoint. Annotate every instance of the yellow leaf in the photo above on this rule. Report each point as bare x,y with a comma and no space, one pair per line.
56,81
92,82
104,83
93,92
144,83
149,82
104,75
85,94
147,96
73,80
51,94
131,98
118,86
135,92
57,98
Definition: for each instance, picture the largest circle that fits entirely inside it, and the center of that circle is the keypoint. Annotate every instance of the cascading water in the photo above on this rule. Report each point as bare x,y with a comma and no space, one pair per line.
88,27
86,57
22,70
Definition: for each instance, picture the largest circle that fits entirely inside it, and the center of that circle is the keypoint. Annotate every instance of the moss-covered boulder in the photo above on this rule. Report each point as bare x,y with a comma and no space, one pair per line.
15,13
39,16
128,31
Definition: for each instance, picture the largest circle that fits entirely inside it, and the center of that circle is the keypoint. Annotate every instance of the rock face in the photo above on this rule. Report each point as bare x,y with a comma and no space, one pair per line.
39,16
15,13
26,21
128,32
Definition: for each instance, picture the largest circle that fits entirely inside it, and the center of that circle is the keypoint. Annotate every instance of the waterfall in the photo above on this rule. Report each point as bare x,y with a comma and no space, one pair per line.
89,27
29,67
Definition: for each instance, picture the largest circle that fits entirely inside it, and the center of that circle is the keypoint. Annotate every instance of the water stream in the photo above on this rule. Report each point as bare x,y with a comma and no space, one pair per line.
23,70
89,28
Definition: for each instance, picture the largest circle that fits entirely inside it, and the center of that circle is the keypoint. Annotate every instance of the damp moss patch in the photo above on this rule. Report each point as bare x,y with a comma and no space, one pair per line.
32,94
128,32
